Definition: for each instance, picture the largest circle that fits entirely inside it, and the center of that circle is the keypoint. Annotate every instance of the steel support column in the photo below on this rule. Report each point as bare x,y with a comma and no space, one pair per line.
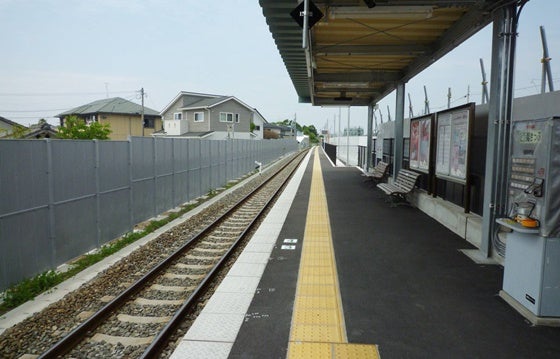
399,120
369,137
499,119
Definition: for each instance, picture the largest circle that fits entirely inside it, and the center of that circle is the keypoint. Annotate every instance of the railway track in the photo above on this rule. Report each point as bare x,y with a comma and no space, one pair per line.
139,321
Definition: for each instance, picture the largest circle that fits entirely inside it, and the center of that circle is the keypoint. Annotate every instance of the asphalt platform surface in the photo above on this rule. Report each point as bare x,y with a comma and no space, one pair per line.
405,285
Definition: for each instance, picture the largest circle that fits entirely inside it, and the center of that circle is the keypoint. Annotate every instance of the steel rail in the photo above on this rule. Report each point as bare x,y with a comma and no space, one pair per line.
159,343
67,343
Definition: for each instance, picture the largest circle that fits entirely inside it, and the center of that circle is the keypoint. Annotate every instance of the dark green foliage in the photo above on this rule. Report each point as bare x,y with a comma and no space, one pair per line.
75,128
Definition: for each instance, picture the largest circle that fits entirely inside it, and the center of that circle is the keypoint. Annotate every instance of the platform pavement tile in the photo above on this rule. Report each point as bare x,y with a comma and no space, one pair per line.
265,233
356,351
300,350
276,215
267,237
238,284
228,303
259,247
254,257
215,327
188,349
274,227
247,269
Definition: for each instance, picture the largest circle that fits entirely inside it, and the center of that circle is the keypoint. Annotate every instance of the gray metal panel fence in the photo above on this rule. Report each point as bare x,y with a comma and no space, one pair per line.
62,198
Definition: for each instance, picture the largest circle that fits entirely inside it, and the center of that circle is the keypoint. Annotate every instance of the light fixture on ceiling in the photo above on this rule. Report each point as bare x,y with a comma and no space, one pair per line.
343,97
381,12
370,3
341,85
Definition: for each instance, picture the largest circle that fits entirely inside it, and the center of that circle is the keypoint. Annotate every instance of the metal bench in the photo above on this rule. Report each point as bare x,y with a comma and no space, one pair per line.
378,173
403,185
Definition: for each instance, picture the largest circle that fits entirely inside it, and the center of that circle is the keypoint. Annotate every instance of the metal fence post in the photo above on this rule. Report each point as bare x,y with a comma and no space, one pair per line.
50,176
130,188
173,197
154,155
97,194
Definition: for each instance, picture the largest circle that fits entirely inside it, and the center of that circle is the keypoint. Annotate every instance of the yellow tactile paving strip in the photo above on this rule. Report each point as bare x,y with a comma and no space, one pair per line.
318,329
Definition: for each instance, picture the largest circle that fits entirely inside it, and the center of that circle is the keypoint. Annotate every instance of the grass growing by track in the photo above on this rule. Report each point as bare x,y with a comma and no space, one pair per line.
29,288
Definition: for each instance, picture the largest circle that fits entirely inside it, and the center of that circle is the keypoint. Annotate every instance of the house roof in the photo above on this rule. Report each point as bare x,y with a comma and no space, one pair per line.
260,115
110,105
183,93
41,130
196,134
10,122
206,101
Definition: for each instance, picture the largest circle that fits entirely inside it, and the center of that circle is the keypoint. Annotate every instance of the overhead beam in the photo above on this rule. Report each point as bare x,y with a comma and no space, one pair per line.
468,25
370,91
371,50
368,76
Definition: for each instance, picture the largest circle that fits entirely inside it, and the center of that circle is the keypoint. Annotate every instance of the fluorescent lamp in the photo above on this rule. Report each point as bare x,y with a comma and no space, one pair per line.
381,12
337,85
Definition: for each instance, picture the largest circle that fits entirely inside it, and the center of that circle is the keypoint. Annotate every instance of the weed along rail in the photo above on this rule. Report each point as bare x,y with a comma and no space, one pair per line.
139,320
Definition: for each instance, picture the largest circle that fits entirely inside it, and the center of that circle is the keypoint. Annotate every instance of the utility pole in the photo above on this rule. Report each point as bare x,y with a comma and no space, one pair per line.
449,97
295,123
388,113
426,102
546,72
468,93
410,112
484,84
142,115
339,121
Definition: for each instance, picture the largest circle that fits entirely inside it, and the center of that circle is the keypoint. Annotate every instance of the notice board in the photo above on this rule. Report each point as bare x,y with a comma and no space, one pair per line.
453,134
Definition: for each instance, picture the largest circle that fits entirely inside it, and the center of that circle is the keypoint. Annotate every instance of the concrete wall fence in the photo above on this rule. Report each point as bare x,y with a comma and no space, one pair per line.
62,198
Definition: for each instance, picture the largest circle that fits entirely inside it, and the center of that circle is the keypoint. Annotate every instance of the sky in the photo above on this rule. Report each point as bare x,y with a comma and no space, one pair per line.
60,54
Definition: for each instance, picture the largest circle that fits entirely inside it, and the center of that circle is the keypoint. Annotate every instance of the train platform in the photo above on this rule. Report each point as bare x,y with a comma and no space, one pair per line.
336,272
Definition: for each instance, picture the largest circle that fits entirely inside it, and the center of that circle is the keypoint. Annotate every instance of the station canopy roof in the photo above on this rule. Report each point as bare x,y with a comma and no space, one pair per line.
359,50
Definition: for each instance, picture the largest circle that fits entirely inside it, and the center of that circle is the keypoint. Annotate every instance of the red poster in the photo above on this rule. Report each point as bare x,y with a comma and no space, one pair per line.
414,141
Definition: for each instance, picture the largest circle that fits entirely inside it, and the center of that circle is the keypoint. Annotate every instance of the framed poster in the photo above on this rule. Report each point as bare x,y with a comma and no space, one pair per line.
453,133
420,137
413,146
459,145
424,145
443,144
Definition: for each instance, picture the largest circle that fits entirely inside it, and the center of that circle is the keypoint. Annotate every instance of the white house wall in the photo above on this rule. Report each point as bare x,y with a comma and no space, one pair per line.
234,107
168,116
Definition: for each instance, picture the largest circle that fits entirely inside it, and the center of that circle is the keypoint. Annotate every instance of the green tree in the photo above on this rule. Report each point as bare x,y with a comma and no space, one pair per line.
311,131
76,129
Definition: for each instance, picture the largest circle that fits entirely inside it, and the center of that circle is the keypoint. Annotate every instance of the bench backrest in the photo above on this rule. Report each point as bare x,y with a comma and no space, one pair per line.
380,170
406,179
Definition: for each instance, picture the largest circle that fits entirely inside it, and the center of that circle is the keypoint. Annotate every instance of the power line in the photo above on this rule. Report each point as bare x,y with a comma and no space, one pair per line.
21,94
31,111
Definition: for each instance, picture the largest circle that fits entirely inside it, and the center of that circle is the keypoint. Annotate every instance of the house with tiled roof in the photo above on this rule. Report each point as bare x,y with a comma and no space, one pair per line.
124,117
216,117
7,126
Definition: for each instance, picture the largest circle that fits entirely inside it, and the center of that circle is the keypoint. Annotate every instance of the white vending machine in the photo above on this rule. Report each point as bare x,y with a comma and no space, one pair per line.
532,259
